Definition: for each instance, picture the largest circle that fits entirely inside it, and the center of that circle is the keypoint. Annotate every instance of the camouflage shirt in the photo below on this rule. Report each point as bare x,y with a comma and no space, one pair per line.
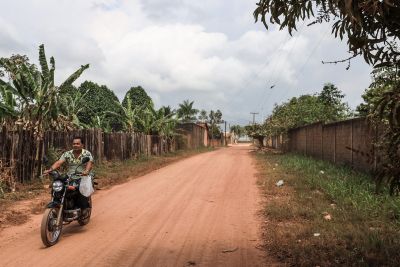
73,162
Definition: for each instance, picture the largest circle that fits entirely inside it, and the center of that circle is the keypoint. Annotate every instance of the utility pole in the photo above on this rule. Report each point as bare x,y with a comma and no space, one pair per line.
254,116
225,135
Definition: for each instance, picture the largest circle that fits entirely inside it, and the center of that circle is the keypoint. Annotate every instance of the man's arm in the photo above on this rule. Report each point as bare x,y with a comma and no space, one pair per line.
55,166
89,166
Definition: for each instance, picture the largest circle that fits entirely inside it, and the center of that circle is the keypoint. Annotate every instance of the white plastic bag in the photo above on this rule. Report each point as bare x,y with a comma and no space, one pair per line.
86,186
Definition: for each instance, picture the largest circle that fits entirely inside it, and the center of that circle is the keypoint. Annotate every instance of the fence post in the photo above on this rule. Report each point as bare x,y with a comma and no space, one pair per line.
322,141
351,142
334,145
101,145
306,139
376,134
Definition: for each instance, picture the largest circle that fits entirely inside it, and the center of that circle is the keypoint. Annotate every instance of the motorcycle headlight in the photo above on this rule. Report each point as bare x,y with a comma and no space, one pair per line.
57,186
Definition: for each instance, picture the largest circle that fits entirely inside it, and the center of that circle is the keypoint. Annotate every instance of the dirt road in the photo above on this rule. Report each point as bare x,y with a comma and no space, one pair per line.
200,211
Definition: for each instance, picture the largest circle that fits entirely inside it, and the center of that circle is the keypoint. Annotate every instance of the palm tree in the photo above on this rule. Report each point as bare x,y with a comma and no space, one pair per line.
203,116
186,112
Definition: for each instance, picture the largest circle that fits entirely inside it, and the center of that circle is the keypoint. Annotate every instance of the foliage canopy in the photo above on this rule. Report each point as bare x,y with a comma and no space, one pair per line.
372,27
30,96
138,98
327,106
215,118
97,101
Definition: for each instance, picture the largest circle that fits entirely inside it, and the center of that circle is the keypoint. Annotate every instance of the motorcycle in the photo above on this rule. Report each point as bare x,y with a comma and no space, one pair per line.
62,209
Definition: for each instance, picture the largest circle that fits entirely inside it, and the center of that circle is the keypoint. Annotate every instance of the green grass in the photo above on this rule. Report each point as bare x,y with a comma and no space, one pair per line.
352,190
364,229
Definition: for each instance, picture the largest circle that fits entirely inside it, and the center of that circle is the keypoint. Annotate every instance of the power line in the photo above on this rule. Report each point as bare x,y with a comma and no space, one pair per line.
304,64
263,99
249,80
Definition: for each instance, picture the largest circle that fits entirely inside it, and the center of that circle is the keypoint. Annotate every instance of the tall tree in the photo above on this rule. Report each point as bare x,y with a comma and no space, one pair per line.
138,97
383,80
382,104
215,118
327,106
168,111
296,112
372,27
256,131
203,116
186,112
97,101
334,107
238,130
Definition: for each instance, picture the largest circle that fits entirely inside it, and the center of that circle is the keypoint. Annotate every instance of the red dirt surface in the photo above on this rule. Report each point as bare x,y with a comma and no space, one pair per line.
201,211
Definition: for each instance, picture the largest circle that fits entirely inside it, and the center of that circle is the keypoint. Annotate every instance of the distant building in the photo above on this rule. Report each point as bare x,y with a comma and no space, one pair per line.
194,135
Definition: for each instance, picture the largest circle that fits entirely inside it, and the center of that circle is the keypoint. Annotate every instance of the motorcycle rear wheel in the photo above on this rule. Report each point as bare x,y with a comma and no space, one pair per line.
86,220
49,231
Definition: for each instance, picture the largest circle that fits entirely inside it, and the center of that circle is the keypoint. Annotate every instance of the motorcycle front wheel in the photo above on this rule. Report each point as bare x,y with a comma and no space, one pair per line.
49,230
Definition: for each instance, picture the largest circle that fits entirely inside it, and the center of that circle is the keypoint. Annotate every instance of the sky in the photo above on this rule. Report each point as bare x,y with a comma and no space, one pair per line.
211,52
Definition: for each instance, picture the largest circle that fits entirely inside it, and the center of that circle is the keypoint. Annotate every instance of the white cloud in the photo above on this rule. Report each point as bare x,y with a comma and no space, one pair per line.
210,52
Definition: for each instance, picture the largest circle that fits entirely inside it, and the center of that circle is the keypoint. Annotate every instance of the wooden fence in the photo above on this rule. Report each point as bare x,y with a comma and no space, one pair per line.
216,142
23,153
339,142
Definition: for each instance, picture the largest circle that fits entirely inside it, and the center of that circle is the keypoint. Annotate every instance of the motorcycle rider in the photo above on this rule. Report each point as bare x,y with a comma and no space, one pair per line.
73,159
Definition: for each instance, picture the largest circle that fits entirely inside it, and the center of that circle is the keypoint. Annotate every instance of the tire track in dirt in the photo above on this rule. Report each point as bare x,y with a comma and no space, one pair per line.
201,210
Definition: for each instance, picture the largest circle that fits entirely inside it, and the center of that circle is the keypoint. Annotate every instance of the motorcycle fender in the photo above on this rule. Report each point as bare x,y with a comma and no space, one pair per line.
53,205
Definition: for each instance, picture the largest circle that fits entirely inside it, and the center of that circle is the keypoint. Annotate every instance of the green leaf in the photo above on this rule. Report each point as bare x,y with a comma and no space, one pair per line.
73,77
43,62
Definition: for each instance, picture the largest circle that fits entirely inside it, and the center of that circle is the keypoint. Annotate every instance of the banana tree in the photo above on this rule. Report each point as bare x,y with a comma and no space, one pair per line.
72,105
129,115
37,96
147,120
164,122
8,103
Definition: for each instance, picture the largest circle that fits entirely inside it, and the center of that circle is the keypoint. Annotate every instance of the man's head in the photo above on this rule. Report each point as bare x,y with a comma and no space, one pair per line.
77,143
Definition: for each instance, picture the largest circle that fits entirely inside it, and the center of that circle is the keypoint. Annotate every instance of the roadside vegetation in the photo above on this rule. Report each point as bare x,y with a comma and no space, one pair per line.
325,106
31,100
325,215
371,29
